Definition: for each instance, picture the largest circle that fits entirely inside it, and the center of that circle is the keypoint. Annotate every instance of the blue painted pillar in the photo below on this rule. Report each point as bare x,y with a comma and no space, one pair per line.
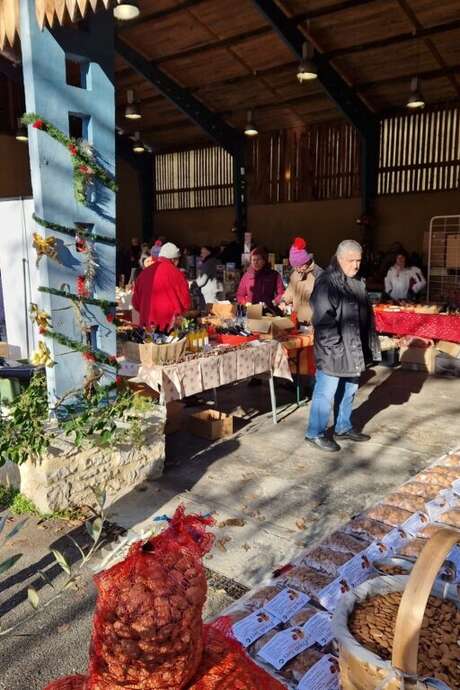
48,94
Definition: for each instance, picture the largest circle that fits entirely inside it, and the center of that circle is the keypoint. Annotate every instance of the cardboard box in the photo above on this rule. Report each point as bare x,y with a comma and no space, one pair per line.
223,310
418,358
175,416
210,424
452,349
131,351
254,311
143,389
270,325
4,350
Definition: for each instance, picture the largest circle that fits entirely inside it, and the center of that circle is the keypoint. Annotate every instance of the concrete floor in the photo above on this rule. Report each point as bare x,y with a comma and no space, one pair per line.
287,493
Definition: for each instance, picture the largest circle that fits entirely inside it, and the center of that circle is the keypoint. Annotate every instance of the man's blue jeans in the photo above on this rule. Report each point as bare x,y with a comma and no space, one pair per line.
331,392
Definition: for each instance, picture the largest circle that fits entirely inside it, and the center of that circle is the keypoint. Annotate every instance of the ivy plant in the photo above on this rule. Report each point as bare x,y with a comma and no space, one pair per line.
92,419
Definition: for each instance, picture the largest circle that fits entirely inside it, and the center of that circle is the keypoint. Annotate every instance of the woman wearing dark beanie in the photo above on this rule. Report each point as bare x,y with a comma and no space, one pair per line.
260,283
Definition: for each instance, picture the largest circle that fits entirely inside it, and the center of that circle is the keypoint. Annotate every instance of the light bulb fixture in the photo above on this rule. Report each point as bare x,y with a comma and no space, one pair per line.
138,146
21,132
307,70
415,100
250,129
132,111
124,10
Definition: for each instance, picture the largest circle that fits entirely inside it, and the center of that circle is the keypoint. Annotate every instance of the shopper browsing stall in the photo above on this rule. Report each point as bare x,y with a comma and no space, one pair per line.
260,283
161,292
207,276
302,281
345,341
403,282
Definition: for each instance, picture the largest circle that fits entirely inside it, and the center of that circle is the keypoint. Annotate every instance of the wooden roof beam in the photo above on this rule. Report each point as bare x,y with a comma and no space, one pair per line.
394,40
423,76
330,9
161,14
412,17
341,93
229,42
213,125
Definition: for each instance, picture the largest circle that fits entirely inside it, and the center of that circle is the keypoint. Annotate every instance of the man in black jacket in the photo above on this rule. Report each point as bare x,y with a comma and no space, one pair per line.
345,341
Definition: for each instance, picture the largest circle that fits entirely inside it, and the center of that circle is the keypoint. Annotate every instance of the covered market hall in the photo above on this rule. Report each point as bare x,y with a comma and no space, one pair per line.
229,344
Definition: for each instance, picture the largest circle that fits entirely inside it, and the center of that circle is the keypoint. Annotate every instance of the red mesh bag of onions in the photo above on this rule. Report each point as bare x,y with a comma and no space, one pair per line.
226,666
68,683
148,630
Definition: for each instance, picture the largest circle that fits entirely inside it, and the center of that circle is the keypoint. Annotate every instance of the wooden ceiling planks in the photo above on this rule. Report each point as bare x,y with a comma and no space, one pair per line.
231,61
378,20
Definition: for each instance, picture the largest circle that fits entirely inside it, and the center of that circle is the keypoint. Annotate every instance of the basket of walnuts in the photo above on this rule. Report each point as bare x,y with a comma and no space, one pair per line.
402,632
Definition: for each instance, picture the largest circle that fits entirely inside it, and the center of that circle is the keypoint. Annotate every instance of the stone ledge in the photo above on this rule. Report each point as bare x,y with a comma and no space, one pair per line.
64,476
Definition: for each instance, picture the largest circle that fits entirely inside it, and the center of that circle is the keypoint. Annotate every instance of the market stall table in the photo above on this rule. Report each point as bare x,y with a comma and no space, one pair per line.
209,371
432,326
301,358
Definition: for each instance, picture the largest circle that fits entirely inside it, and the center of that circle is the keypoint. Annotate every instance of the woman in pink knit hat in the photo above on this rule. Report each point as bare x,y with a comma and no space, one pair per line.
302,280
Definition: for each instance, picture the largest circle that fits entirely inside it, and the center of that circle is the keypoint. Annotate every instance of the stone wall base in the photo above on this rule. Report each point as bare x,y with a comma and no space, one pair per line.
64,478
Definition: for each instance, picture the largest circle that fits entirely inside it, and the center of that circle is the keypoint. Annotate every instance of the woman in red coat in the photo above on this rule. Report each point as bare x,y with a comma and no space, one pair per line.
161,292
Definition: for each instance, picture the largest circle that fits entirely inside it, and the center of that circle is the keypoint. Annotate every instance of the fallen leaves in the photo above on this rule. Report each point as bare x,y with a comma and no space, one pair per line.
221,543
232,522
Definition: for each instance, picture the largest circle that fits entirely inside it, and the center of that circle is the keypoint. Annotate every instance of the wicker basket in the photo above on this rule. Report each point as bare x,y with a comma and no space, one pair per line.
361,669
150,354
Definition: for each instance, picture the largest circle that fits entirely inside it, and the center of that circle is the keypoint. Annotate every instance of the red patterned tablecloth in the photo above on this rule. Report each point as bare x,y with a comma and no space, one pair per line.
434,326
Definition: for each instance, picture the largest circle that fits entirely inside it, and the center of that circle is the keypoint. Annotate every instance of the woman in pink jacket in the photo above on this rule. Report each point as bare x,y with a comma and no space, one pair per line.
260,283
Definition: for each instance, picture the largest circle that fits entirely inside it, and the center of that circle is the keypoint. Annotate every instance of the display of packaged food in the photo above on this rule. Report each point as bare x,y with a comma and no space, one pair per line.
428,531
413,548
428,491
306,580
406,501
326,559
451,460
303,616
452,473
390,515
438,479
287,603
297,667
363,525
346,543
258,599
262,641
451,518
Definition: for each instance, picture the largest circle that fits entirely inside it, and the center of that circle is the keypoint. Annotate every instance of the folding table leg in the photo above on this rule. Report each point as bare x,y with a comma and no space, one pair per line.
271,383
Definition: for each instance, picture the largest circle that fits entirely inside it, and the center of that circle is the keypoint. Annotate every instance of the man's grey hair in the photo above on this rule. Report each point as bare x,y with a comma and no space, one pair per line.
348,246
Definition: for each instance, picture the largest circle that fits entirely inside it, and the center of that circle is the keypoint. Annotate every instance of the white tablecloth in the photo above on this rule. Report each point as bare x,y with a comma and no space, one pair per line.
176,381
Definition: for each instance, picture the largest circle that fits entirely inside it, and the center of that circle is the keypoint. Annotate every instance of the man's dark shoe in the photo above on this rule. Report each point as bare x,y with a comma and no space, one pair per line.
324,443
353,435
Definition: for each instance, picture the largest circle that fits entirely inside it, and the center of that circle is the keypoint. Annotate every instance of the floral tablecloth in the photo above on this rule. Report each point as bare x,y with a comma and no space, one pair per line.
434,326
177,381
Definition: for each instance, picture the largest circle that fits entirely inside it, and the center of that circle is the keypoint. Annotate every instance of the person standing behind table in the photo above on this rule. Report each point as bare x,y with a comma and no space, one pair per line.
260,283
403,282
134,257
345,341
207,276
161,292
302,281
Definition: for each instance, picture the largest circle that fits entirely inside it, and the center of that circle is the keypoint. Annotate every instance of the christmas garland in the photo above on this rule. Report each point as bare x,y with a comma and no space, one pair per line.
74,232
106,305
89,354
85,169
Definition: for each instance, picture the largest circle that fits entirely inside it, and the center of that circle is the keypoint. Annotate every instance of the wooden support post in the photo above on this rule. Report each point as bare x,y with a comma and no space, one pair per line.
46,60
370,154
240,191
